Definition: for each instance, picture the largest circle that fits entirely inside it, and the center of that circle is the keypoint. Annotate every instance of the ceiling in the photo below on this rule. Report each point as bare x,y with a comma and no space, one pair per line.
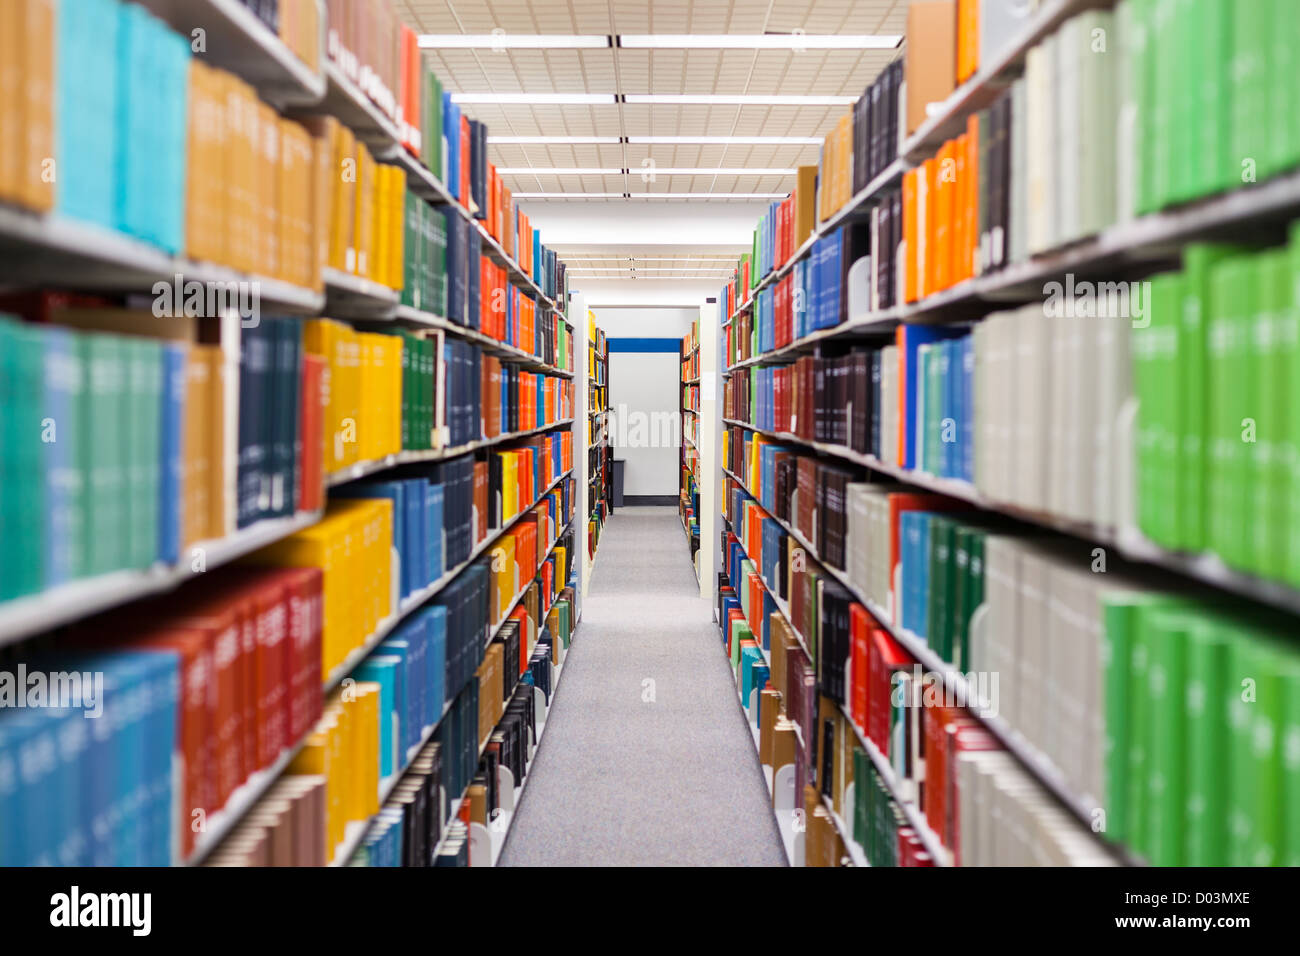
673,71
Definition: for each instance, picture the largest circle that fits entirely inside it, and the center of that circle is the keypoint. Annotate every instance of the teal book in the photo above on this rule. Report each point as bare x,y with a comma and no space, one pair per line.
104,438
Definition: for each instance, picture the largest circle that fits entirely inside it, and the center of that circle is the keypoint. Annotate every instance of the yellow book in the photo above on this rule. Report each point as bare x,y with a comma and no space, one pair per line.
335,723
348,351
323,194
379,216
395,346
844,163
364,711
343,176
399,233
363,213
504,574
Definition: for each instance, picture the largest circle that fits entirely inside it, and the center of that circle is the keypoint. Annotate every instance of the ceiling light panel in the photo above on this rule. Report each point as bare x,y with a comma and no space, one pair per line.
536,99
735,99
501,39
757,41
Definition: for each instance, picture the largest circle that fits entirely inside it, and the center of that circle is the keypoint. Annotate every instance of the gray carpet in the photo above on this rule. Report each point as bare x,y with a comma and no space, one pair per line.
622,781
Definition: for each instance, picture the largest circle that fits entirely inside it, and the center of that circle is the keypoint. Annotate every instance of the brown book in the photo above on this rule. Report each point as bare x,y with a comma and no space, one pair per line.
930,59
805,204
769,712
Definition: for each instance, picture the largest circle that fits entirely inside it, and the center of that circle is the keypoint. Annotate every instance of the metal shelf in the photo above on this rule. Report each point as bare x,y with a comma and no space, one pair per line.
235,39
52,249
22,617
366,468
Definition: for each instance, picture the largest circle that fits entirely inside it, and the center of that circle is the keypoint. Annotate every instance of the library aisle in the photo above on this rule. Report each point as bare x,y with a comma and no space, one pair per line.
646,758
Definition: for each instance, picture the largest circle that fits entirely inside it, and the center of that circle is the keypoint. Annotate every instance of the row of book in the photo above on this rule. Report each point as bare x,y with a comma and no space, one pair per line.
421,389
159,146
217,679
1067,658
1217,439
839,677
241,663
296,23
372,47
147,441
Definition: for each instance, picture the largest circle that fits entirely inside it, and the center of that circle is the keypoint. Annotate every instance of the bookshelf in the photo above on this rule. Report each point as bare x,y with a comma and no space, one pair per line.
688,504
276,482
1144,222
600,452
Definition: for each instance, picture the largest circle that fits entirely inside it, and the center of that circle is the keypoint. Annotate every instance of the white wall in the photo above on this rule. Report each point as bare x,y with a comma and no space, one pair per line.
645,383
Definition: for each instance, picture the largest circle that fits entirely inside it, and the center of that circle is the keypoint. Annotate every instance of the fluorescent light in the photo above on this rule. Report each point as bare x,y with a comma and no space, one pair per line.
582,195
557,171
711,171
648,269
723,140
725,99
581,258
537,99
641,170
755,41
511,41
561,140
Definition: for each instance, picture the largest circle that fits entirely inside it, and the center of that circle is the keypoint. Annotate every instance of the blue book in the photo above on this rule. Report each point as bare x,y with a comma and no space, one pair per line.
413,534
383,670
86,95
913,337
440,659
457,270
171,469
749,656
474,255
434,537
968,408
451,146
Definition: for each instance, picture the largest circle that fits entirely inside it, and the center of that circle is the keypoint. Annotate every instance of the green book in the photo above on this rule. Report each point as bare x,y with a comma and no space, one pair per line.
942,596
1248,94
432,132
103,421
1192,466
1284,99
1123,659
1162,97
1243,687
972,596
1142,57
146,427
1289,743
1265,460
1166,743
25,482
1212,61
1289,344
1206,708
1155,367
1230,405
1268,715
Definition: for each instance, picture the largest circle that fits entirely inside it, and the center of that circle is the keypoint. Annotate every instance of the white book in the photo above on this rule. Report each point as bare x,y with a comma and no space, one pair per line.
1039,125
1018,184
1067,174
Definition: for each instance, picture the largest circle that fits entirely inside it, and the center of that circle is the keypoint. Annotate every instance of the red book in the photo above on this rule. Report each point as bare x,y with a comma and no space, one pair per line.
937,722
217,619
860,628
887,657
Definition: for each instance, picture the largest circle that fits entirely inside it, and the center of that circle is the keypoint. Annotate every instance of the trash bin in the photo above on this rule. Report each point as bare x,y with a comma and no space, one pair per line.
617,490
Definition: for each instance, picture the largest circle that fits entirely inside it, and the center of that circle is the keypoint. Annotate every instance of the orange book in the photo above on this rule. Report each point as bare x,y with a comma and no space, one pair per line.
929,259
968,22
945,173
36,149
909,236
